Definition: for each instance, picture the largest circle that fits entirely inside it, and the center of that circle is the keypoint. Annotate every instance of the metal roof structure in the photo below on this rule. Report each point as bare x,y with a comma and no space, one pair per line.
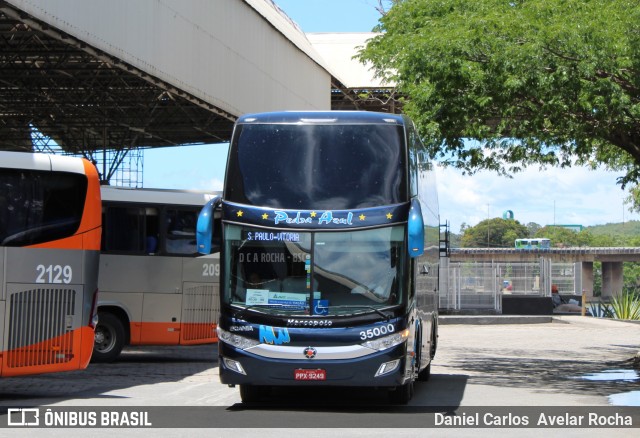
102,79
86,99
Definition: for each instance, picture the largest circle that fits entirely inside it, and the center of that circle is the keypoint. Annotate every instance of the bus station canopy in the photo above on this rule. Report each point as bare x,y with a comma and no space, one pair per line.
92,75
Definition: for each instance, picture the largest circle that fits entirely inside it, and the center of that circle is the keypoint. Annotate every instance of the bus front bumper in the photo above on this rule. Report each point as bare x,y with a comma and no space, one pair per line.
379,369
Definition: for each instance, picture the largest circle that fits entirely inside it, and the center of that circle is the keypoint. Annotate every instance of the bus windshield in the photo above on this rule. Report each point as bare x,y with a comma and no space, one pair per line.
322,273
318,166
39,206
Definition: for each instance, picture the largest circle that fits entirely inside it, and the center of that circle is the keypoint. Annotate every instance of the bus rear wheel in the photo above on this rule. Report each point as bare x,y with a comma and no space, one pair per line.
108,338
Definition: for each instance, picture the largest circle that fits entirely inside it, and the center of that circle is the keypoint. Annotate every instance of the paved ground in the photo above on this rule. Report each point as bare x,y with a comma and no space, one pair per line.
518,365
549,360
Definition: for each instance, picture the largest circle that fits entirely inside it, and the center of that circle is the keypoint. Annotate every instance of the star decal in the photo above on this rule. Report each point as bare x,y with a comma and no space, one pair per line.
389,216
240,213
265,216
362,217
313,214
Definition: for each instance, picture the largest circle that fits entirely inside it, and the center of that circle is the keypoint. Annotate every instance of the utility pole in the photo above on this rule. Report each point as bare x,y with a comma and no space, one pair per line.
488,225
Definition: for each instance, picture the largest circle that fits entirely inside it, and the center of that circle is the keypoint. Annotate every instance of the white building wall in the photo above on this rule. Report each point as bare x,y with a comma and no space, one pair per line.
337,51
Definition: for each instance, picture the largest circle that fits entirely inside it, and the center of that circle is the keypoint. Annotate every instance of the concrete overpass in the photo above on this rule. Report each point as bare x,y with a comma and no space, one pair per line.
611,259
92,76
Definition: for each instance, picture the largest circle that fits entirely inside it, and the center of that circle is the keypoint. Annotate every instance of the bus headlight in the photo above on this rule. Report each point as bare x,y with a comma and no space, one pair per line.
387,341
234,365
236,341
388,367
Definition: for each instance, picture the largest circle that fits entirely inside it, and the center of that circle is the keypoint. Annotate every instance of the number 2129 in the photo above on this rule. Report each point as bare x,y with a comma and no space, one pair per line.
54,274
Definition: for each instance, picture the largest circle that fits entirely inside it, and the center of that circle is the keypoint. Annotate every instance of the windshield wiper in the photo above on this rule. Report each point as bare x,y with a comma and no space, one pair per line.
240,313
386,316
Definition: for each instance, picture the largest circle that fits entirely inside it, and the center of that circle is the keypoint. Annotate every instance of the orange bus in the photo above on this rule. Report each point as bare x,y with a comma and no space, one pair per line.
154,290
50,228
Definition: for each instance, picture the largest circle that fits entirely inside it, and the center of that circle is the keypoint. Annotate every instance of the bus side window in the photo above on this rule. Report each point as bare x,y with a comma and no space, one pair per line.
181,231
152,244
123,229
151,230
414,147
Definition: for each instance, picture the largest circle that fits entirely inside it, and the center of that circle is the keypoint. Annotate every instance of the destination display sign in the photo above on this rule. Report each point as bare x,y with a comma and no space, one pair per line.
271,236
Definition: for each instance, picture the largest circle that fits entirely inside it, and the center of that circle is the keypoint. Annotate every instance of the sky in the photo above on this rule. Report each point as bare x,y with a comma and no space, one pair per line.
575,196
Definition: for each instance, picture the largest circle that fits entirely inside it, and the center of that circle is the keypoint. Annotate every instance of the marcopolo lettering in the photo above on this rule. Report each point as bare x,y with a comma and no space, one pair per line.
310,322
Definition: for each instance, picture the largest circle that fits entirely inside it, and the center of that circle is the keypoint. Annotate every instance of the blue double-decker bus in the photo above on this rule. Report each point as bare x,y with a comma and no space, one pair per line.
329,253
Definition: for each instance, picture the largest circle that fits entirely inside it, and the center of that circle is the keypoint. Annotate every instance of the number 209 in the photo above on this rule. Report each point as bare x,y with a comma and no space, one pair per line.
54,274
210,270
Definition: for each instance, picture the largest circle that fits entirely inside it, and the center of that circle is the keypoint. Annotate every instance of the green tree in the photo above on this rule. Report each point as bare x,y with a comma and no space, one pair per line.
562,237
533,228
633,199
602,241
535,82
631,276
493,233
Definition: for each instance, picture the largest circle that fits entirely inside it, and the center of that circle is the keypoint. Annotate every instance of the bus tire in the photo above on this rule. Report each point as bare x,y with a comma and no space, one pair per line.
402,394
425,374
109,338
434,340
251,393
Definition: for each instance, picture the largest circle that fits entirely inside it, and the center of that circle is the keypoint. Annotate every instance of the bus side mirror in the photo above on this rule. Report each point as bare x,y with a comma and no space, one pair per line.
416,229
204,228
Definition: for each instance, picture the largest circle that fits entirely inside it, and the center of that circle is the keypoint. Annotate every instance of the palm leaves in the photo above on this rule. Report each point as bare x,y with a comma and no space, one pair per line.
625,306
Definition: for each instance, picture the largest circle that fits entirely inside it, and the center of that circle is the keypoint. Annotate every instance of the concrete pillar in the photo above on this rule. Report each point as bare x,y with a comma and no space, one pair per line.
587,280
611,279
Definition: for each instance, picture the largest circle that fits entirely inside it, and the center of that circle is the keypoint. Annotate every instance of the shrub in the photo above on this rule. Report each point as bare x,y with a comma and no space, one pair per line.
625,306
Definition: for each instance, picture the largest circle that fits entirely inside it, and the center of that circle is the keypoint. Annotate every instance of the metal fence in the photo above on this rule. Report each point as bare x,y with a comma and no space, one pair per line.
480,286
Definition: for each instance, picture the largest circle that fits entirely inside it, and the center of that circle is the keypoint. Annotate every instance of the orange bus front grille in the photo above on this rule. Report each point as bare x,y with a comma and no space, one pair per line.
41,323
52,352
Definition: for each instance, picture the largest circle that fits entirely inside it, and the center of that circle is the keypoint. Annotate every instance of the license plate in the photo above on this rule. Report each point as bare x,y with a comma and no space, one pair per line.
301,374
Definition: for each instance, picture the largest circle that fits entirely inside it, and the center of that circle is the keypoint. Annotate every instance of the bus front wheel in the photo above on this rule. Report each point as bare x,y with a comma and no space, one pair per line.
402,394
425,374
252,393
108,339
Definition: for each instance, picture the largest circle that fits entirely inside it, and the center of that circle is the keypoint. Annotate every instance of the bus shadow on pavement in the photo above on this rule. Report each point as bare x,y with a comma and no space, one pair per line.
441,390
562,375
169,354
135,367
